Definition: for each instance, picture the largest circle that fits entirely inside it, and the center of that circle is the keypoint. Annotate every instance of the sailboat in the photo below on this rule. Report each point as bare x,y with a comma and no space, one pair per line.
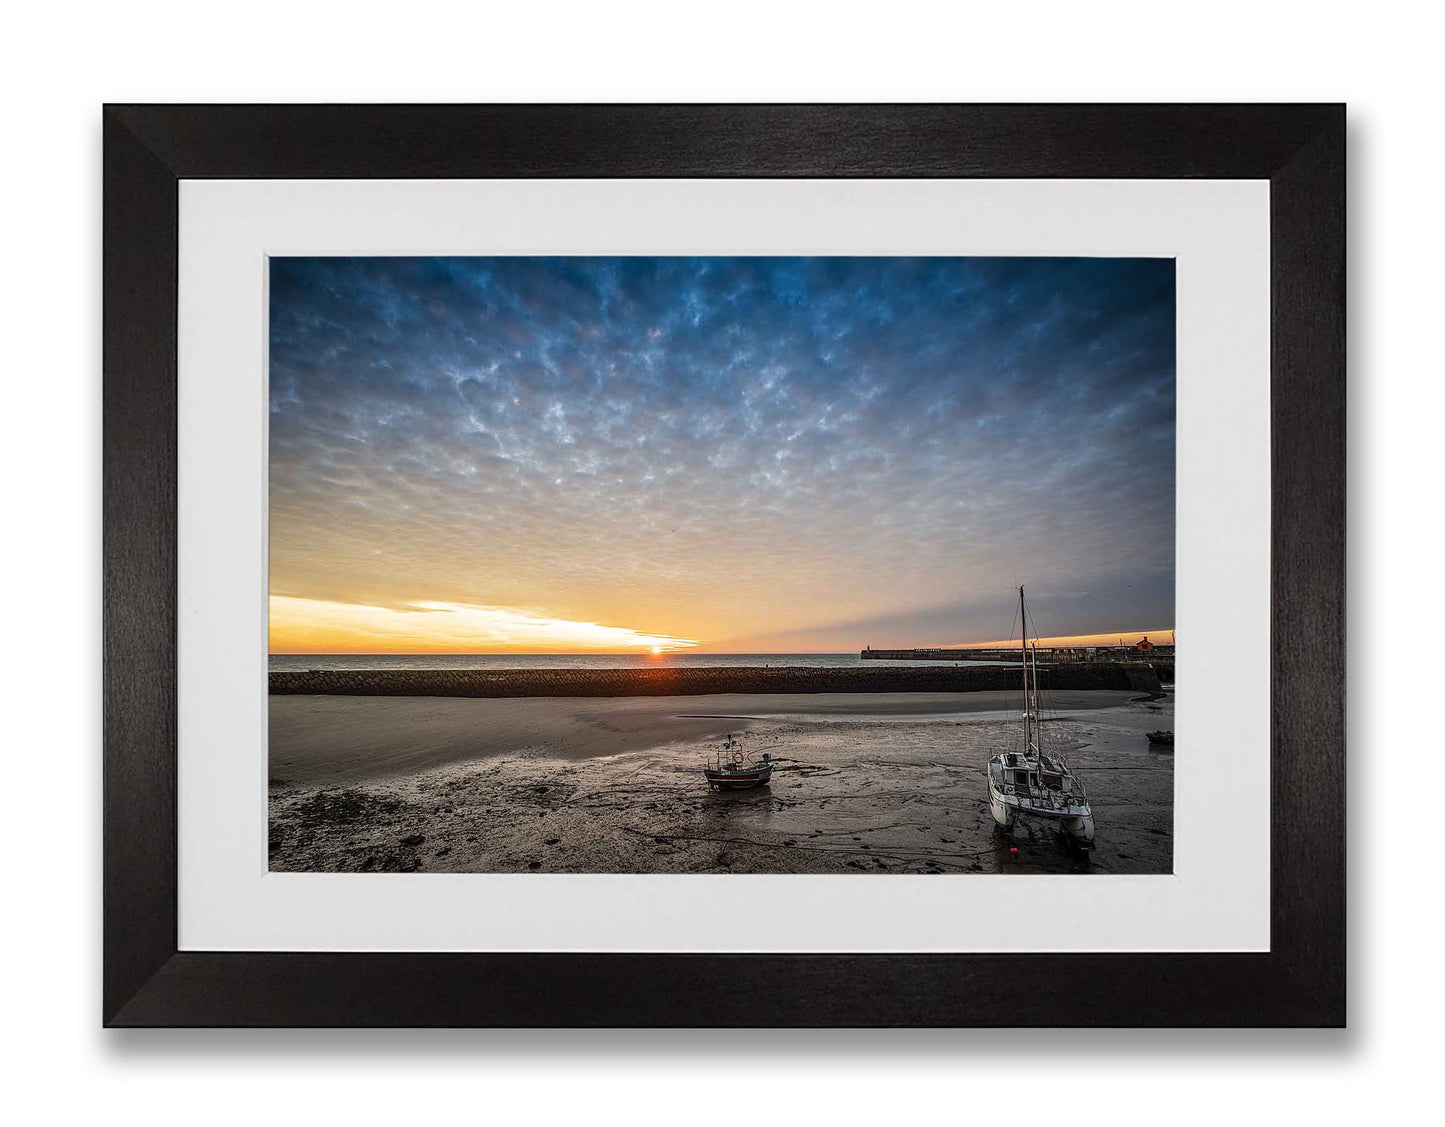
1035,782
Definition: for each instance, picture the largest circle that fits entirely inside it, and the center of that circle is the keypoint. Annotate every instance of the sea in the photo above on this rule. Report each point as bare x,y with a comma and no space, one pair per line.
300,663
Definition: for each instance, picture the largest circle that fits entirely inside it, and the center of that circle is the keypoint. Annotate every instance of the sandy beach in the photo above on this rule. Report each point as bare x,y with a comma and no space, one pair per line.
887,782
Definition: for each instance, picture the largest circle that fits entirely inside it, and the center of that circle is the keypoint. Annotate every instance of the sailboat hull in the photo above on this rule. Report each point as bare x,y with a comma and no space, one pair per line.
1003,814
1007,804
1080,827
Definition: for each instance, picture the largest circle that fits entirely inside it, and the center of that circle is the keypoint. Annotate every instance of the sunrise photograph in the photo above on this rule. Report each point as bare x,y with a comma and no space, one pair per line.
721,565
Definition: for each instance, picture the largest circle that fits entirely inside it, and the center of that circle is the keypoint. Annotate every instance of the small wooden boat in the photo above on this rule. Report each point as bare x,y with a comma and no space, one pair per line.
735,769
1161,739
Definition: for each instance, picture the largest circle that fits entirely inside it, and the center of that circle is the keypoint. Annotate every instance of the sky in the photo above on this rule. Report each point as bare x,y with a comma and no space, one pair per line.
747,455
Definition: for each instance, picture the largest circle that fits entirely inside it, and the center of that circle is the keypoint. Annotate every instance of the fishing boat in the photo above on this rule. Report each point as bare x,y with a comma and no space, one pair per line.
735,769
1160,739
1030,781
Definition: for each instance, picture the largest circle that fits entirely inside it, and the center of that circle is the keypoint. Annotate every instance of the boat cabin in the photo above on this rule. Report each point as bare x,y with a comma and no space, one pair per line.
1042,773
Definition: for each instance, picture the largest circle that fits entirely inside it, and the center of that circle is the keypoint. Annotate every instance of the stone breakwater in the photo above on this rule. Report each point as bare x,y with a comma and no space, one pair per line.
1129,676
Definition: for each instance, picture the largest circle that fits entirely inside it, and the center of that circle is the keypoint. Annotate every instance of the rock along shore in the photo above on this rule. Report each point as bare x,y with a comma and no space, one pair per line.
1132,676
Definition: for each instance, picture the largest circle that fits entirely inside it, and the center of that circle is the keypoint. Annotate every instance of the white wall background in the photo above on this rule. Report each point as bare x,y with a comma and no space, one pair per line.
61,62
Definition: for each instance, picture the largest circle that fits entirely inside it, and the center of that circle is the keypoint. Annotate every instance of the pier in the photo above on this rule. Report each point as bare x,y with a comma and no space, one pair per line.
1011,653
1159,658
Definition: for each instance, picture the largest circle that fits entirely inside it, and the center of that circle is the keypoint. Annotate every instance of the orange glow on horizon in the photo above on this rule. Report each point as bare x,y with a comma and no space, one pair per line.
1161,637
320,626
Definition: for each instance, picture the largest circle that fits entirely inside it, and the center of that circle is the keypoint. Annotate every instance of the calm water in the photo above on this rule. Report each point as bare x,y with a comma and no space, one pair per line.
302,662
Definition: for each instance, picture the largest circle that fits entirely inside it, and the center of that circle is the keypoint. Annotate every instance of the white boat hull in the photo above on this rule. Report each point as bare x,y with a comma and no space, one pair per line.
1003,814
1006,809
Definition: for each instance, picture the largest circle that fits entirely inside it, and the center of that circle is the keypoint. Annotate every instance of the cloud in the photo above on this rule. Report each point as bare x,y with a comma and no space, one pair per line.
728,449
325,626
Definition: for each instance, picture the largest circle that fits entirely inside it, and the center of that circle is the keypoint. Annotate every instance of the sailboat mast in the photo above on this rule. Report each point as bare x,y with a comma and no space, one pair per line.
1024,657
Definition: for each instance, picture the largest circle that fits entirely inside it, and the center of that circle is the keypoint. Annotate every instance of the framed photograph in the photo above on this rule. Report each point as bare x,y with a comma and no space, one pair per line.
724,565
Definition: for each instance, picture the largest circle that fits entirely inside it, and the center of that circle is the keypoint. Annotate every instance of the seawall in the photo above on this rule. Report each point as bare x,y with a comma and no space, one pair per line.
697,682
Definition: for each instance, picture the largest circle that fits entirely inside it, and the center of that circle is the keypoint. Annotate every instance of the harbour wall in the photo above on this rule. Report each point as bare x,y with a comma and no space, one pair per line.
1064,654
1137,677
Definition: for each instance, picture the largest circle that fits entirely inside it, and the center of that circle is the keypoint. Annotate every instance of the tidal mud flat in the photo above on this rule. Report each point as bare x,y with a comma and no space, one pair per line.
863,783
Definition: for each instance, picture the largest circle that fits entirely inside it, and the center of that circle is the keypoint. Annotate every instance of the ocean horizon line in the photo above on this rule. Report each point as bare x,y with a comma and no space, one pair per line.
642,656
680,659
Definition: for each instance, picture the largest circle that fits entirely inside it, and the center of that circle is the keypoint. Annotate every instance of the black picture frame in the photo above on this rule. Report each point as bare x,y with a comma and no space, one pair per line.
1299,149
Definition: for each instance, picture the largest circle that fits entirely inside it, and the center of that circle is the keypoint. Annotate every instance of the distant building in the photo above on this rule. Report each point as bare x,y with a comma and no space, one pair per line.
1144,643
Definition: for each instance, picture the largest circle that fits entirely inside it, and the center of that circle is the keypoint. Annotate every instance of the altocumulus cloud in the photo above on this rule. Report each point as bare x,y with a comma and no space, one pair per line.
754,453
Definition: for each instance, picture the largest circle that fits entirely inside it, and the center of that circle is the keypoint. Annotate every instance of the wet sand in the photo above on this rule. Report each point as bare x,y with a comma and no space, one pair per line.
869,783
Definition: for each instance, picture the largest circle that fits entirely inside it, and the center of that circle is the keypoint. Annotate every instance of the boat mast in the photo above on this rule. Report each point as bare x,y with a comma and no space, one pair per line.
1024,656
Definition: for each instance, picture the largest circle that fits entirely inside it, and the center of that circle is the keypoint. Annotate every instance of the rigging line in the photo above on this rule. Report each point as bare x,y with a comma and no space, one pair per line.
1033,647
1025,697
1045,702
1047,705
